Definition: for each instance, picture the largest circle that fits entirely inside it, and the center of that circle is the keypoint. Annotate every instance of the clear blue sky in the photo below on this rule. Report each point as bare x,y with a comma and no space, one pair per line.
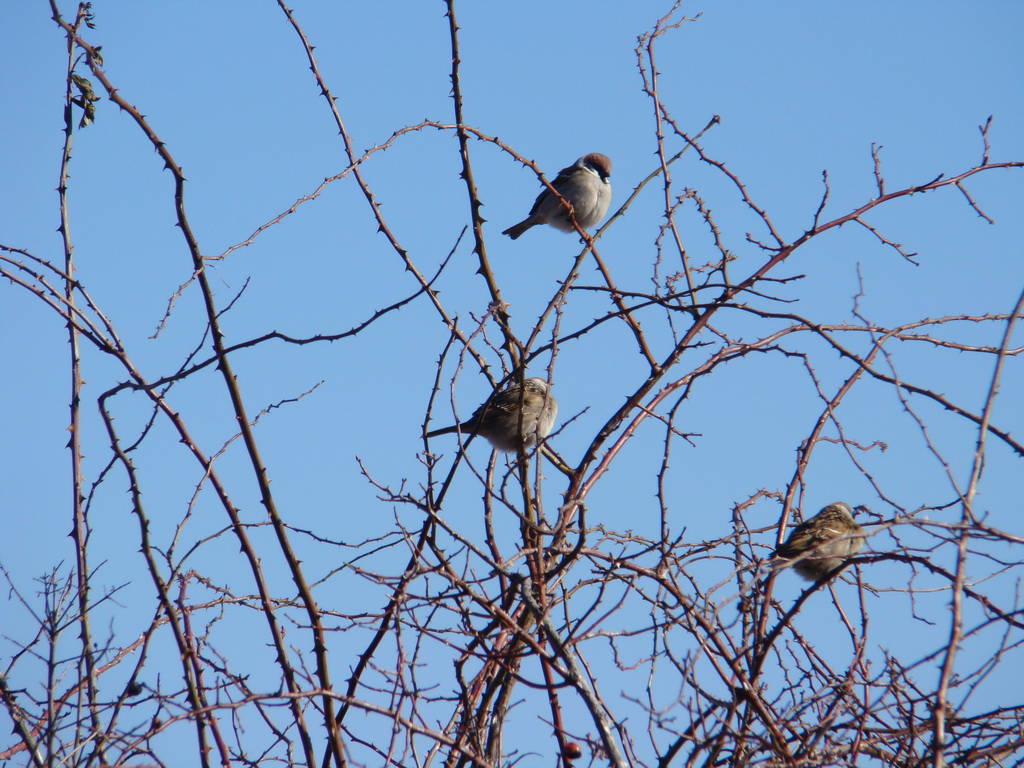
800,88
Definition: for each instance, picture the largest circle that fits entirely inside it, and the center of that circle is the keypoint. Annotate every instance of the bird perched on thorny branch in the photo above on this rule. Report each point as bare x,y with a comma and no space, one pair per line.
510,416
819,546
585,186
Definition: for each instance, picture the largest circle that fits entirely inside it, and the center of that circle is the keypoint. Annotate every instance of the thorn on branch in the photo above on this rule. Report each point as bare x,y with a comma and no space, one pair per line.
924,187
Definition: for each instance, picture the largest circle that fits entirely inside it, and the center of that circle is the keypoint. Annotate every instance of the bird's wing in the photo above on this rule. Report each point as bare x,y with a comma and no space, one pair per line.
560,181
805,538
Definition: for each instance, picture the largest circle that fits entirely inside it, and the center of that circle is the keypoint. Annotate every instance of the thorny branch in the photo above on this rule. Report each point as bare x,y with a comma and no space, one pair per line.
491,616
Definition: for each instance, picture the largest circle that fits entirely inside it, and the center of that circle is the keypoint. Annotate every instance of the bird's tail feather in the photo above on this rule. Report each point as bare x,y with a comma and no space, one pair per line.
517,229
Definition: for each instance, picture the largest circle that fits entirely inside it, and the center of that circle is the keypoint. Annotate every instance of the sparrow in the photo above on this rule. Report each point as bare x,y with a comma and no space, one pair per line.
822,544
500,419
584,185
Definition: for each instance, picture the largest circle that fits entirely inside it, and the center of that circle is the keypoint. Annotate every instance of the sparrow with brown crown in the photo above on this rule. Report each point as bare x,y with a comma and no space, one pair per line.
584,185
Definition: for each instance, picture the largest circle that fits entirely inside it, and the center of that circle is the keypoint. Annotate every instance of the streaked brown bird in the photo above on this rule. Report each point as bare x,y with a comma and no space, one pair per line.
819,546
498,420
